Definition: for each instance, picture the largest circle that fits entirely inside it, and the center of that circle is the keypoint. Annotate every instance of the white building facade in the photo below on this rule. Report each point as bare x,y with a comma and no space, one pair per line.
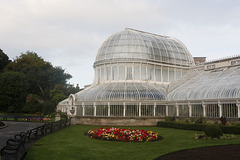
140,74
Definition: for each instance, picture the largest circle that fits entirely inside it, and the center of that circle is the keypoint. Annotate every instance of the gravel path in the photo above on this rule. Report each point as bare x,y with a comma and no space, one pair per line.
15,128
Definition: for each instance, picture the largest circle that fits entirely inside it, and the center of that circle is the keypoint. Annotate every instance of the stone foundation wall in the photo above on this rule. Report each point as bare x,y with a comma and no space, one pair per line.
118,121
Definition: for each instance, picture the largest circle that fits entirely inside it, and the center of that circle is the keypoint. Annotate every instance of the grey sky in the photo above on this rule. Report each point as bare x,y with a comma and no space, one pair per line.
68,33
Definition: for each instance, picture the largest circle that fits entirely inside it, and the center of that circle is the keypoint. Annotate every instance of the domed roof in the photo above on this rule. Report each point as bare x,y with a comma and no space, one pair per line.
204,85
131,44
122,91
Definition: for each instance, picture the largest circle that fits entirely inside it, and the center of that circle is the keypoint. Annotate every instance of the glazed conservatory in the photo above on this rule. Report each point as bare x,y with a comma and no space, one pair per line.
140,74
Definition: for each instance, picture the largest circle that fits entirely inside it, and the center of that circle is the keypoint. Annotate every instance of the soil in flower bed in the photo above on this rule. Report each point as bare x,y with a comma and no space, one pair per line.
226,152
123,135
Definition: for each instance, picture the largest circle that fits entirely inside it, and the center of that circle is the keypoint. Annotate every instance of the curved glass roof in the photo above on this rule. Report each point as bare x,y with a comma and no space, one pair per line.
122,91
132,44
200,85
63,102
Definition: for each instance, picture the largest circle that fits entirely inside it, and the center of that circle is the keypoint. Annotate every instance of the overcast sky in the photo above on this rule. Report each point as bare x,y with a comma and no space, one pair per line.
68,33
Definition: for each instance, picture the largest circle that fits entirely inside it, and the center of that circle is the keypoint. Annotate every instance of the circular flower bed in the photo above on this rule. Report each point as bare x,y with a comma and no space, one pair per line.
123,135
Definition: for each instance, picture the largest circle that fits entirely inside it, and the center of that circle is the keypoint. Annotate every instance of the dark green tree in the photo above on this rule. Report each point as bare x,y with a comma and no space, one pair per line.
61,92
13,91
4,60
41,75
58,94
32,106
48,107
72,90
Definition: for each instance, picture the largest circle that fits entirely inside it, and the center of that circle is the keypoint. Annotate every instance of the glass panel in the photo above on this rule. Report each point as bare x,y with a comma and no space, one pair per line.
136,72
125,49
102,73
150,72
178,73
102,110
184,71
197,110
132,110
121,72
129,73
79,110
116,110
171,110
98,74
183,111
147,110
88,110
171,75
229,110
114,73
143,72
158,73
165,74
160,110
108,72
212,110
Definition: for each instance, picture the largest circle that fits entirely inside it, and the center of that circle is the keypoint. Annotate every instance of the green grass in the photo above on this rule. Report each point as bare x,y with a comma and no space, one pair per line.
71,144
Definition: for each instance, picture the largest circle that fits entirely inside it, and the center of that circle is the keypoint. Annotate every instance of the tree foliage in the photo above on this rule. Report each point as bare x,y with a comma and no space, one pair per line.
13,91
41,75
61,92
31,84
4,60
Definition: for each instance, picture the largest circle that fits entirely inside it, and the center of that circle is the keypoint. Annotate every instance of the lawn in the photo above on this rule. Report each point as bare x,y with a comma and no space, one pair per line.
71,144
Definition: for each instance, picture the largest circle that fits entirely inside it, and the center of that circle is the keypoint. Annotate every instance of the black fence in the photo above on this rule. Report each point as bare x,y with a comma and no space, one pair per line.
16,148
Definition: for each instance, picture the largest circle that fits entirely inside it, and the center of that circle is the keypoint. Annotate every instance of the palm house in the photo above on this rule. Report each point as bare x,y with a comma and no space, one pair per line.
141,77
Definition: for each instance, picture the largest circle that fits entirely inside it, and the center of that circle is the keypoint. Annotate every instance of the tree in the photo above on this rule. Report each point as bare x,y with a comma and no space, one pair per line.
58,94
13,91
41,75
48,107
4,60
32,106
26,83
61,92
72,90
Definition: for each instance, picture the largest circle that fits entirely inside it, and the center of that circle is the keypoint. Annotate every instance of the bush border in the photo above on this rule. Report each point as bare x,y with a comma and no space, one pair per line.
197,127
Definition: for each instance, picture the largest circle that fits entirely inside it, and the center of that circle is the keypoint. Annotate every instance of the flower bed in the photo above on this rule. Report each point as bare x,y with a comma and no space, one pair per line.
123,135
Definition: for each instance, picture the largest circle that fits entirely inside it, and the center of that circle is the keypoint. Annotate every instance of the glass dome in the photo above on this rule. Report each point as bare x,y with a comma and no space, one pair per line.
139,74
122,91
131,44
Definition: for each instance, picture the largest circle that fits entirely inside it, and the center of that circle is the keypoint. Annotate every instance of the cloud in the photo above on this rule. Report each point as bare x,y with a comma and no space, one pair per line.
69,33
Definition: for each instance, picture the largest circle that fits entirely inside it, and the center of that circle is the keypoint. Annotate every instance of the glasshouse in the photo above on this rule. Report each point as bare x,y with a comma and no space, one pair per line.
144,75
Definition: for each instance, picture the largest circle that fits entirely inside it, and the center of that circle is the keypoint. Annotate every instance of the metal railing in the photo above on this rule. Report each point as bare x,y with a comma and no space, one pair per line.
16,148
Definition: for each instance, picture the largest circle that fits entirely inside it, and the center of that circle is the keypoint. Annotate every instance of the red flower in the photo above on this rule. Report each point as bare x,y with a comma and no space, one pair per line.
126,135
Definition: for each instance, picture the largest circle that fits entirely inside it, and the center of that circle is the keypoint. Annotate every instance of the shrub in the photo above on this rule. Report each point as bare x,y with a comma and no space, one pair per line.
38,113
198,127
200,120
63,115
194,127
230,129
187,121
213,131
215,122
170,118
237,124
223,120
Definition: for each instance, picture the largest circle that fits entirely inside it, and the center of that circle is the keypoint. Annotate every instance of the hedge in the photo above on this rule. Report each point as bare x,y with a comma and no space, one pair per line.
230,129
198,127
